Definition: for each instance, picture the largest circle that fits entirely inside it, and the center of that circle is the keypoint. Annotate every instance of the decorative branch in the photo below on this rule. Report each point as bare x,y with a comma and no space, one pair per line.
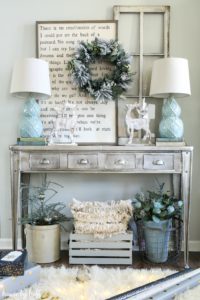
40,211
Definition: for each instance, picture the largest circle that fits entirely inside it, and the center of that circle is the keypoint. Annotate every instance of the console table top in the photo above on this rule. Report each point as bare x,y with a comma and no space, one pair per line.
99,148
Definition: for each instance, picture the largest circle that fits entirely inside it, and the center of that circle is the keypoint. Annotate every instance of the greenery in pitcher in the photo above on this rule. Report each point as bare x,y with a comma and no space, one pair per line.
156,205
40,211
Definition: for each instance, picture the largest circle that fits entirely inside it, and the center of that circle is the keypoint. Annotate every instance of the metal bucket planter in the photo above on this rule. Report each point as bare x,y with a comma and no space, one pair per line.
43,243
156,237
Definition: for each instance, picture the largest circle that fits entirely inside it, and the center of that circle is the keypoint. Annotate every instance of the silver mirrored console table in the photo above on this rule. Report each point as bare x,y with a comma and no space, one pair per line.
176,161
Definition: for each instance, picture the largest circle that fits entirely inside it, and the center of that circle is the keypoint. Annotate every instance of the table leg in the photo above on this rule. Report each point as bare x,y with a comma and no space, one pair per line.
176,185
177,223
25,178
186,178
15,192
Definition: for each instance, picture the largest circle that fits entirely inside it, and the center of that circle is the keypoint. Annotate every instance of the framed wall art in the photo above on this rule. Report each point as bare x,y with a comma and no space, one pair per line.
56,43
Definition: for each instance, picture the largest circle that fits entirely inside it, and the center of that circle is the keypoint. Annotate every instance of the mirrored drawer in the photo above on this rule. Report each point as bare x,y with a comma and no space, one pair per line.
159,161
44,161
82,161
118,161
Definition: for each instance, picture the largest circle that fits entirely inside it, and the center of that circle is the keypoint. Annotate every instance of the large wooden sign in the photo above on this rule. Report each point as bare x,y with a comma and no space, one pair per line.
56,43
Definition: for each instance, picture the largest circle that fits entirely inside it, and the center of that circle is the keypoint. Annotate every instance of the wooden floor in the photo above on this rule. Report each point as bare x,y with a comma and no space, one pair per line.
139,262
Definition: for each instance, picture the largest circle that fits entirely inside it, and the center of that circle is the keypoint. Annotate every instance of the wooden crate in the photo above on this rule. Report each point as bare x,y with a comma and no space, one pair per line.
86,249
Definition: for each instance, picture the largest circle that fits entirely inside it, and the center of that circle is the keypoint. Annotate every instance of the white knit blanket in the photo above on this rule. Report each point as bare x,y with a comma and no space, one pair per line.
101,218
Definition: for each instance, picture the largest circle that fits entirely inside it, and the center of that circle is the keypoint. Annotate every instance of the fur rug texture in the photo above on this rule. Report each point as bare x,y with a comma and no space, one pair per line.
92,283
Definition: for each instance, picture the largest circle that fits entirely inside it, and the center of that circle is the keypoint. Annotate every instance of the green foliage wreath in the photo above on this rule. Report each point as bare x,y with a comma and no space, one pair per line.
111,86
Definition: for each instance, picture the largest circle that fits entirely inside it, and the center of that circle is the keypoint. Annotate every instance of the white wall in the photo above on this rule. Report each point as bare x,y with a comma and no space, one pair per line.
17,32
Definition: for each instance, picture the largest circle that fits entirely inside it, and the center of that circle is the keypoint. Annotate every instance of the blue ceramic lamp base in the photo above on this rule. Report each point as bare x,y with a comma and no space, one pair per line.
171,126
31,125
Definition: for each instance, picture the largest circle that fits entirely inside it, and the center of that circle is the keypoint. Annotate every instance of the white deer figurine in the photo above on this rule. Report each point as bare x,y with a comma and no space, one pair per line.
139,122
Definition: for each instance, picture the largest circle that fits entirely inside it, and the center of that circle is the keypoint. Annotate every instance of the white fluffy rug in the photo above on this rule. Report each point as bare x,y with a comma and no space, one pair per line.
97,284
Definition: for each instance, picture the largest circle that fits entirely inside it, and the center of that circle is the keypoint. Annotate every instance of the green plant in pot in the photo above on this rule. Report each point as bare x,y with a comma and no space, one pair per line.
42,222
156,210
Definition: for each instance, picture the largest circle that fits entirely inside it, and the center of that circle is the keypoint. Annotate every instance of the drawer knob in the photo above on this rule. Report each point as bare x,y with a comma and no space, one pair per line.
120,162
45,161
158,162
83,161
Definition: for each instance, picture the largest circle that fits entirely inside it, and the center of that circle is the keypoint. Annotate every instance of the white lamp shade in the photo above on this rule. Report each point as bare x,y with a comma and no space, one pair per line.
170,76
30,77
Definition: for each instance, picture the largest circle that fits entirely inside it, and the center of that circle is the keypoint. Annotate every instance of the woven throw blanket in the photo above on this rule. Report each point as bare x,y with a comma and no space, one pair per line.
101,218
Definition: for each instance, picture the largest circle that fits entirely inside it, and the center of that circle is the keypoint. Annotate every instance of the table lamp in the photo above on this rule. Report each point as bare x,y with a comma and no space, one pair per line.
30,80
170,80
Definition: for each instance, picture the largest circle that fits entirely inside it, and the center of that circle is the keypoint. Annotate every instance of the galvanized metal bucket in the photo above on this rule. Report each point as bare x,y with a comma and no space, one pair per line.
157,240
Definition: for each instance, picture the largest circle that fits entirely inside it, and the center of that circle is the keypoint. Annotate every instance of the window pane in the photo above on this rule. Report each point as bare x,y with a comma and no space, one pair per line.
153,33
134,86
147,69
128,32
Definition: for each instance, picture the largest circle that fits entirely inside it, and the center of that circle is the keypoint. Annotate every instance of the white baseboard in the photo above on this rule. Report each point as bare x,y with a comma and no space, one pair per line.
7,244
194,246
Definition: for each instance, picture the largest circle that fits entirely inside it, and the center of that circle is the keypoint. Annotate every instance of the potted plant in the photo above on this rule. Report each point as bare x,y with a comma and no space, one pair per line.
156,210
42,223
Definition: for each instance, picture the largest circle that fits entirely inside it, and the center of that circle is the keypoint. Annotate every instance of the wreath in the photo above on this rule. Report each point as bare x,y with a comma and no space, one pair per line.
112,85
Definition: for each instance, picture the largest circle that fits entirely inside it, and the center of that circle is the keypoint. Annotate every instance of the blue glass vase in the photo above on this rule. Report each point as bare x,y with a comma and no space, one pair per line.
31,125
171,126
